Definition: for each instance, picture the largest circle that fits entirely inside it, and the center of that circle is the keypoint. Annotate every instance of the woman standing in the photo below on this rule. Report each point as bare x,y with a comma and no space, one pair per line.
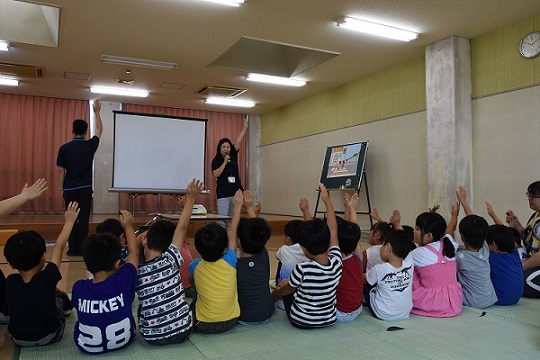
225,169
531,239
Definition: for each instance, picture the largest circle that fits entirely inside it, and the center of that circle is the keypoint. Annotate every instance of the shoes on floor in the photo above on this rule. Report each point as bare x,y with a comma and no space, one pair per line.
73,253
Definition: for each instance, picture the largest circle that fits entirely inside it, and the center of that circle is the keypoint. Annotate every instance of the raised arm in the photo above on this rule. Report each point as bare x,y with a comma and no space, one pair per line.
27,193
492,214
70,217
375,215
395,220
451,227
248,204
126,219
242,132
237,205
331,220
99,123
461,195
347,211
194,189
513,221
352,206
304,207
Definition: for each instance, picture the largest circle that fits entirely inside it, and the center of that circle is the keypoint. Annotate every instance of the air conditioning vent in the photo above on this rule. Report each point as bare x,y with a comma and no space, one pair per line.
222,91
22,70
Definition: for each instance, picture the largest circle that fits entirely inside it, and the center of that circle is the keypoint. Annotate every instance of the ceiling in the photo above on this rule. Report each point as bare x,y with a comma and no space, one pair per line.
195,33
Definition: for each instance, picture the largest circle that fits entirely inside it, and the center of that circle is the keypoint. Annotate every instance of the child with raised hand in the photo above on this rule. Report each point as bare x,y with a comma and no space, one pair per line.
304,207
351,285
165,316
253,268
436,291
390,283
314,283
506,267
472,262
515,233
105,320
35,306
215,303
372,255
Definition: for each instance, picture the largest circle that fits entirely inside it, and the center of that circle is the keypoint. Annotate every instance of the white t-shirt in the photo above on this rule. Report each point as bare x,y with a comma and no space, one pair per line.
391,299
373,256
422,256
289,255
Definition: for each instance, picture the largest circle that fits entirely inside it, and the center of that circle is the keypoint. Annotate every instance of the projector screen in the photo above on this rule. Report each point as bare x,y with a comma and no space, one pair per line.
156,153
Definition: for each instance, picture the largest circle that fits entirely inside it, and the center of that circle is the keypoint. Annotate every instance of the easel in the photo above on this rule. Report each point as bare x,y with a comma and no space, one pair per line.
364,179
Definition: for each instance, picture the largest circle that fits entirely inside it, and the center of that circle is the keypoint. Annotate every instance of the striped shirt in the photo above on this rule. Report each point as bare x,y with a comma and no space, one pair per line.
164,311
314,303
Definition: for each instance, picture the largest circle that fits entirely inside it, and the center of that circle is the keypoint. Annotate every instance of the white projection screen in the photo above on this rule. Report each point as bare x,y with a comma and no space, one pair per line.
156,153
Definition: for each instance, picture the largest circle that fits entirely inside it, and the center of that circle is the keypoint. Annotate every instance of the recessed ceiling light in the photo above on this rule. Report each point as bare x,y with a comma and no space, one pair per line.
235,3
377,29
275,80
152,64
9,82
116,91
4,45
229,102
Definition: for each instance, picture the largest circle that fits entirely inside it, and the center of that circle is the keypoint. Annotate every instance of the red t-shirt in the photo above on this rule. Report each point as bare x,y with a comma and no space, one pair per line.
351,286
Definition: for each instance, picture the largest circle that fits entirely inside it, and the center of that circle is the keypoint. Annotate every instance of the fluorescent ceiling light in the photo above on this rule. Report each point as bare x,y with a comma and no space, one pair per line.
229,102
377,29
116,91
120,60
235,3
4,45
9,82
275,80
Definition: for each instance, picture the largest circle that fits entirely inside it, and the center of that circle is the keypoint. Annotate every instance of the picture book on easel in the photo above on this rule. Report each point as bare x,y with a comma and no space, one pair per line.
343,165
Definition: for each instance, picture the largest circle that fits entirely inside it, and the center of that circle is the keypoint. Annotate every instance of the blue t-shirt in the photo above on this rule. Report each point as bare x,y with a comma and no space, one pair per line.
105,320
507,277
77,157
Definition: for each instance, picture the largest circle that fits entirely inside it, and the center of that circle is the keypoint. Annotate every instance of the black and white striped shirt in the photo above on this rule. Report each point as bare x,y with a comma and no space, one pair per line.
314,303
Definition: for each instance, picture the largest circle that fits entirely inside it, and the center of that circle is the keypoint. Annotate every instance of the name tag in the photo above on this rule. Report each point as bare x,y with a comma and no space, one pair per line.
231,179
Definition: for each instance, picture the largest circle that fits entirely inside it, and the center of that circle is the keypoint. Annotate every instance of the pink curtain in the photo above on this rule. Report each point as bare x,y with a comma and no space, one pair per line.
219,125
32,129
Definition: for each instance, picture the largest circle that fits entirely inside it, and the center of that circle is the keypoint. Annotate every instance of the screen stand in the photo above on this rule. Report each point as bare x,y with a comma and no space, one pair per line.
364,179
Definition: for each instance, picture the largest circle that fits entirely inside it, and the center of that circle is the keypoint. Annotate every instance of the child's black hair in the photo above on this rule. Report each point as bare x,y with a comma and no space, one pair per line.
435,224
101,252
515,236
382,227
348,235
211,241
160,234
409,230
291,230
534,188
79,127
502,237
314,235
400,242
253,234
24,250
112,226
473,229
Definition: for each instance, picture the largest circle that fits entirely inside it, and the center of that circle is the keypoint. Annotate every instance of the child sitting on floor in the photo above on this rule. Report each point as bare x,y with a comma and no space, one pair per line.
314,283
351,285
473,261
436,291
253,268
35,305
215,302
390,296
105,320
165,315
506,269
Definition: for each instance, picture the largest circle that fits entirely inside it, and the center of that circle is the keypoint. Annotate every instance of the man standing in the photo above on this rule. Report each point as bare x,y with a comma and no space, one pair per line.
75,160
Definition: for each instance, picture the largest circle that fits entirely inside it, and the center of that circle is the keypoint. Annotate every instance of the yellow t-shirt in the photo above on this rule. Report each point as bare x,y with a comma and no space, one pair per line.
215,283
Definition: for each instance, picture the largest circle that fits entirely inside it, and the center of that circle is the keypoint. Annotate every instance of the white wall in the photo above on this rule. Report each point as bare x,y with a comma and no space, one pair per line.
506,159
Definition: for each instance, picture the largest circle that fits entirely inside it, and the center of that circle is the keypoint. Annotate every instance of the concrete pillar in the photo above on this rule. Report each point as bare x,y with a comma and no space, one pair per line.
254,157
105,202
449,120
